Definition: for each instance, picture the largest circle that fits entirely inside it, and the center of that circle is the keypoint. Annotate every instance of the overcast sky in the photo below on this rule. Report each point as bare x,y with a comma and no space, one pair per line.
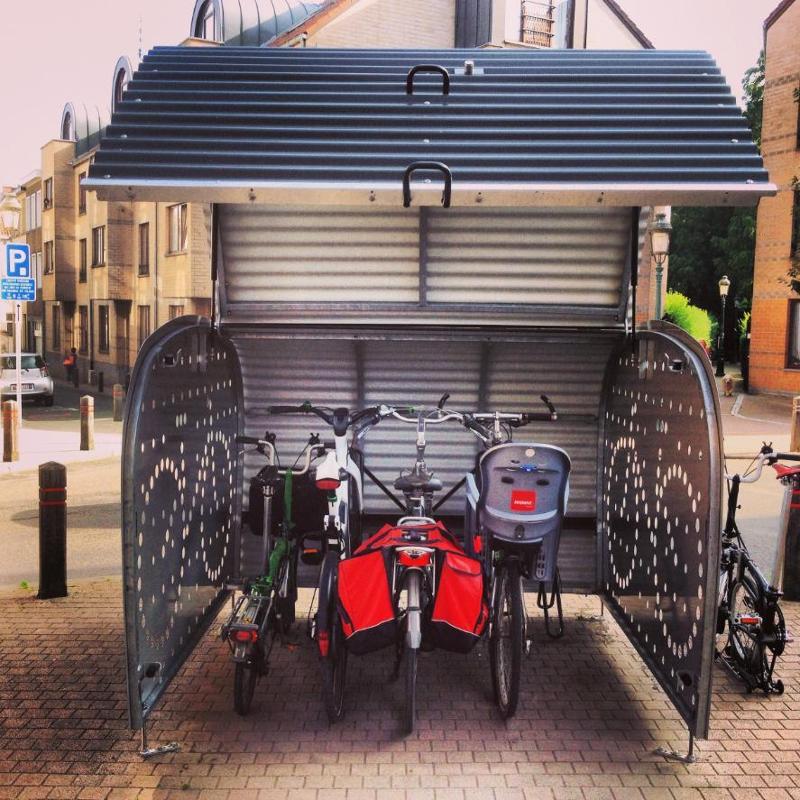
54,51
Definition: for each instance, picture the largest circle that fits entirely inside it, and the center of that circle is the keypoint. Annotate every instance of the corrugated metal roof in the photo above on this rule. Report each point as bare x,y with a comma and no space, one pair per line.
542,127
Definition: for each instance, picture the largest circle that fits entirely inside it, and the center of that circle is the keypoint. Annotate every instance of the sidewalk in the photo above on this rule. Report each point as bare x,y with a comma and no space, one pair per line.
589,717
53,433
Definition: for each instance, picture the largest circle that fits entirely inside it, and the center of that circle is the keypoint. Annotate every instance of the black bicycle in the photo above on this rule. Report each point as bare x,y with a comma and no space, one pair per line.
751,632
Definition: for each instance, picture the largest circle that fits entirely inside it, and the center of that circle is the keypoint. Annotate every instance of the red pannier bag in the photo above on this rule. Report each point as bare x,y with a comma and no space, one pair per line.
460,610
365,602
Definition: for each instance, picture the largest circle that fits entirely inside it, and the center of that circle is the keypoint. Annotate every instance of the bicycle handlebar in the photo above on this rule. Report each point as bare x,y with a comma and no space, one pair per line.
267,447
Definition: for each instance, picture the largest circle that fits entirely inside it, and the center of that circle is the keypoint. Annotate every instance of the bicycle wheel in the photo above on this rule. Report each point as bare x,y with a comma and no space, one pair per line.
507,642
334,671
744,645
410,711
244,684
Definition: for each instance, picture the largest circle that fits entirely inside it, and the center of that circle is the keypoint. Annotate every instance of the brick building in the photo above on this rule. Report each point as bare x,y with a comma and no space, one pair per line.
113,272
775,336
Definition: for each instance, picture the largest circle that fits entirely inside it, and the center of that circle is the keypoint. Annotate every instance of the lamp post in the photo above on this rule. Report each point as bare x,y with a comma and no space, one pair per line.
724,286
10,209
660,231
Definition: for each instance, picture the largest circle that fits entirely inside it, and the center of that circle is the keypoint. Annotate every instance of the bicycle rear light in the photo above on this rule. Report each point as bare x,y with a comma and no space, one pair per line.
412,557
243,635
328,473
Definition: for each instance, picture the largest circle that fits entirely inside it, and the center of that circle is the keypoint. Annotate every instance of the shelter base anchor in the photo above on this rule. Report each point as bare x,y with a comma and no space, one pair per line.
149,752
672,755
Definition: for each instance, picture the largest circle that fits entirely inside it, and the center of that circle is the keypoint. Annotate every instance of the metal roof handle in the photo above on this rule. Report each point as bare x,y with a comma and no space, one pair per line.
431,68
436,166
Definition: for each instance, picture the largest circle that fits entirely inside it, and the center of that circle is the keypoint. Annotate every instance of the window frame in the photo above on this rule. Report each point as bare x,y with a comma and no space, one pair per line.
144,251
793,333
143,331
49,252
83,259
47,193
83,329
178,227
103,328
55,335
81,193
794,247
176,311
100,231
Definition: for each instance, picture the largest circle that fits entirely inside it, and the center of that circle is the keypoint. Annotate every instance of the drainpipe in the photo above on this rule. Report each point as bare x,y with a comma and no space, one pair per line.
156,287
91,333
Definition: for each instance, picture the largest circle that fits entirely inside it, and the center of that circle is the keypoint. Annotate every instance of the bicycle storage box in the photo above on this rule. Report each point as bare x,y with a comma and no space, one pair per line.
347,274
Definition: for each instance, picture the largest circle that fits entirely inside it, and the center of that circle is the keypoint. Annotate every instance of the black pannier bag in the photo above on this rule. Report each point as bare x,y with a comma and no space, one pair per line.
309,504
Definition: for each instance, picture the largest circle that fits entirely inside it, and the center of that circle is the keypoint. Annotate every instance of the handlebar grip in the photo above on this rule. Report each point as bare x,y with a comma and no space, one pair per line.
286,410
247,440
786,456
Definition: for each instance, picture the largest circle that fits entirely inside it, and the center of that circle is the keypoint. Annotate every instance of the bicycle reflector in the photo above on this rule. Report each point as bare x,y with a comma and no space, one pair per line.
413,557
328,473
749,619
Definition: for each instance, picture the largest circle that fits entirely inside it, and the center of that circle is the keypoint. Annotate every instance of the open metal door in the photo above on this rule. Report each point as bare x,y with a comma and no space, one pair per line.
660,491
181,500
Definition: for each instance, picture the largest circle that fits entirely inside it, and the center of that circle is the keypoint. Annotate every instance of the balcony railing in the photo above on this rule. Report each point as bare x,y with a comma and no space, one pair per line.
538,23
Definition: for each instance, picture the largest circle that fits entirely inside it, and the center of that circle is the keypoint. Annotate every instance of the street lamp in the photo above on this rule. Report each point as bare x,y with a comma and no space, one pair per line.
10,209
724,286
659,249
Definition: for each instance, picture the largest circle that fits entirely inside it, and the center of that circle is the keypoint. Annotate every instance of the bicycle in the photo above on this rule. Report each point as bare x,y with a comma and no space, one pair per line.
748,604
265,609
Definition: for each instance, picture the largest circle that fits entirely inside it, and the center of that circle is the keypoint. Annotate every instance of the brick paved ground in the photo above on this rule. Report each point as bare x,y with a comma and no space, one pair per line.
589,717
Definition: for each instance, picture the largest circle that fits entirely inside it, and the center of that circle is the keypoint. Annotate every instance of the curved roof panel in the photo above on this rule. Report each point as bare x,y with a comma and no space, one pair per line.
255,22
577,127
88,125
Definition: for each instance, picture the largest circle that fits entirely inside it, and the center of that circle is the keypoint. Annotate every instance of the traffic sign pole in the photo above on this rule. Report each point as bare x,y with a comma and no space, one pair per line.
18,360
17,284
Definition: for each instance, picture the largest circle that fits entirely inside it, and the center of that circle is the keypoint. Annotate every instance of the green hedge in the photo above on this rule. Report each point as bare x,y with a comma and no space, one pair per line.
695,321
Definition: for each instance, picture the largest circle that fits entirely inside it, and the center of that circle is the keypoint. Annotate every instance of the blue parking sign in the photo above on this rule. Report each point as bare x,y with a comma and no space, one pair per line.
16,280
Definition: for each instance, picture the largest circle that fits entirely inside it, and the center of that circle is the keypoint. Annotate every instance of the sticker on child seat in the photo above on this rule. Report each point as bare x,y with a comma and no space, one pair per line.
523,500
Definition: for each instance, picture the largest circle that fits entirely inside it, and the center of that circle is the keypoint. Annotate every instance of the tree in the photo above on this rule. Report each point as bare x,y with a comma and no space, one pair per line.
708,243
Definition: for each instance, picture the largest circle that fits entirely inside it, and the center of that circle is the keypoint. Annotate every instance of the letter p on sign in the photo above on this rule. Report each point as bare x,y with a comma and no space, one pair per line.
18,261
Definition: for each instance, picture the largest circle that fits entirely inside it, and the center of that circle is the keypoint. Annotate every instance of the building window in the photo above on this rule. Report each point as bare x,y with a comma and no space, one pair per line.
33,211
81,193
82,260
175,312
207,22
49,258
102,329
47,202
67,127
99,246
56,327
36,267
83,329
795,247
144,248
144,324
69,334
178,220
793,344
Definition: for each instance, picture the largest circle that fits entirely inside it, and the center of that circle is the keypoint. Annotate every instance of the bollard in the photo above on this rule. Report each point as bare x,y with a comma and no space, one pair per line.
100,382
87,422
118,396
92,377
52,530
794,435
10,431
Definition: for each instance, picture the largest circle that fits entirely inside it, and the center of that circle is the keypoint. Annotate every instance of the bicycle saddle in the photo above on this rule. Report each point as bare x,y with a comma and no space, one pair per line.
417,483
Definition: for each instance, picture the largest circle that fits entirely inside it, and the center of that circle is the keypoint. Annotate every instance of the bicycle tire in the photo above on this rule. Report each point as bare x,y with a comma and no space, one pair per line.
507,642
748,653
244,684
410,710
334,675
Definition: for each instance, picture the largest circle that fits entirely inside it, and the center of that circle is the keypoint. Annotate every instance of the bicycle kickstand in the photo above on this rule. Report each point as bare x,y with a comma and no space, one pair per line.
673,755
555,599
148,752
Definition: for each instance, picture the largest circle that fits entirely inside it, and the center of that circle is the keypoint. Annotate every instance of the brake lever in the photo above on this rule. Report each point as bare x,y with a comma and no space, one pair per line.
442,400
550,407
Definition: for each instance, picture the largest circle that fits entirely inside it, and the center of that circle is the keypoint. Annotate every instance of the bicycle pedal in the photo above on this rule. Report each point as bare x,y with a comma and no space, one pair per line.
787,637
